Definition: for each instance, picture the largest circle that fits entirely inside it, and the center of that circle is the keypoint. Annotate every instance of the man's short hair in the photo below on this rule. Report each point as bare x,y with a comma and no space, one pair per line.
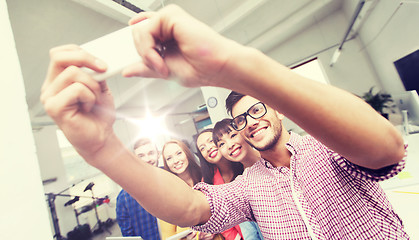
143,141
231,100
220,128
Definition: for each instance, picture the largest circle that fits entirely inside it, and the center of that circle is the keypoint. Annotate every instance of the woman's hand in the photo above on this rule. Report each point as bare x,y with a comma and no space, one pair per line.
82,107
191,235
206,236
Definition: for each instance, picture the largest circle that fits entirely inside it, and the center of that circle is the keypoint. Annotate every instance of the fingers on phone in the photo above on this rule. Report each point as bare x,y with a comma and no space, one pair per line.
71,55
73,98
140,17
140,69
67,77
154,61
77,57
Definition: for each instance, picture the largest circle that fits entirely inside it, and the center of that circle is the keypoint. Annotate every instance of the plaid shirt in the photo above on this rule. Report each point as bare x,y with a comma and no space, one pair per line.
340,199
133,219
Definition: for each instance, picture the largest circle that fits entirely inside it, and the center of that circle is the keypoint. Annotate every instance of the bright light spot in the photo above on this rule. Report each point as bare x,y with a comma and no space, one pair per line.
150,127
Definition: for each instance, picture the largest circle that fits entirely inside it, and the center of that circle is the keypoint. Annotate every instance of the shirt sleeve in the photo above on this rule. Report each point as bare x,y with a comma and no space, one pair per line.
364,173
228,203
122,216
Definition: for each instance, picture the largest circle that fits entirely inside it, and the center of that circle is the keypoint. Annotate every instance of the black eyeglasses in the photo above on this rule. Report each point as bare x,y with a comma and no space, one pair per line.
256,111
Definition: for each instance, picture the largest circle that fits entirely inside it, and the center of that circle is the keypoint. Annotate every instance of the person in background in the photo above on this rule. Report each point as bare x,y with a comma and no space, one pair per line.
217,170
132,218
234,148
179,160
320,186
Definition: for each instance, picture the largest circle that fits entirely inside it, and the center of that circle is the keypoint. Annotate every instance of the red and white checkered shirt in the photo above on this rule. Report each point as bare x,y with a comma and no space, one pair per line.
341,200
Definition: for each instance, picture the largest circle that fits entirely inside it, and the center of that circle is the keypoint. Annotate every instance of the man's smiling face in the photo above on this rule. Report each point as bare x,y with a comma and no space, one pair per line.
262,133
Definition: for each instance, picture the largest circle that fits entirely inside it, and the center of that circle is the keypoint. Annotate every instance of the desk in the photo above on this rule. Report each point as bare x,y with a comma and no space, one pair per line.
403,190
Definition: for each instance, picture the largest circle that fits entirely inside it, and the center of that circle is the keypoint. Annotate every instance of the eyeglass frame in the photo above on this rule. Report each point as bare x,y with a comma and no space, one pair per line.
245,114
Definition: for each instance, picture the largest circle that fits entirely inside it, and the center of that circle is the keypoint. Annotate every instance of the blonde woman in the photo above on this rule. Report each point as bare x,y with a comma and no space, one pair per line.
179,160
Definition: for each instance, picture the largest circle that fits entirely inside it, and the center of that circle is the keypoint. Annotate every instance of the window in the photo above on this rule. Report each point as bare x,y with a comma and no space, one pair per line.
75,166
311,69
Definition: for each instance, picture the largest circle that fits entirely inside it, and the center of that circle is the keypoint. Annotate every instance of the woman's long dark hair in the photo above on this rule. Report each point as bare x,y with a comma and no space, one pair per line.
193,167
220,128
208,169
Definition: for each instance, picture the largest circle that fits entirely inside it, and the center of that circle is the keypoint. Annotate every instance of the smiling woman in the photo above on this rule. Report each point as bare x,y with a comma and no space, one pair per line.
179,160
232,145
216,170
212,162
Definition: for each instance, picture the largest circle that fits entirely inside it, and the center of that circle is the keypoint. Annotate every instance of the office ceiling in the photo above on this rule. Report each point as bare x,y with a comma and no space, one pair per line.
43,24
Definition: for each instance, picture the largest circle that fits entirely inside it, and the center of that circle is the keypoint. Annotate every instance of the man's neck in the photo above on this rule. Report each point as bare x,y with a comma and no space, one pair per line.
278,155
251,158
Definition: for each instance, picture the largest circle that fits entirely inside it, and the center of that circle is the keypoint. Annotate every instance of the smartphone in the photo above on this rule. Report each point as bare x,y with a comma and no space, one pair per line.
116,49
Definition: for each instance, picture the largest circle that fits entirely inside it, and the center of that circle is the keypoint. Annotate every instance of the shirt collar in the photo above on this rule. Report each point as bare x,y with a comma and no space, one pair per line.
291,145
293,142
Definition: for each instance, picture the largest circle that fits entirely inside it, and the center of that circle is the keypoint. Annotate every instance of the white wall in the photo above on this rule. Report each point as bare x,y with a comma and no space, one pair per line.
182,126
47,148
219,112
353,71
391,32
23,208
49,155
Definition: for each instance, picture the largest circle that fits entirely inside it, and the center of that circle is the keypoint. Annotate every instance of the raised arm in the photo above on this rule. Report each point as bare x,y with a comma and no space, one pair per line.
198,56
84,111
341,120
161,193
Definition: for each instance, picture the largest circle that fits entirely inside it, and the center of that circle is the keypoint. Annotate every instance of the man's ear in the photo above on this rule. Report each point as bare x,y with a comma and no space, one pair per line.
279,115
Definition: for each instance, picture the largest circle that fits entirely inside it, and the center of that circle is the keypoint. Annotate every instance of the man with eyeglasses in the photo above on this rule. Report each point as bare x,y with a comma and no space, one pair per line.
301,184
320,187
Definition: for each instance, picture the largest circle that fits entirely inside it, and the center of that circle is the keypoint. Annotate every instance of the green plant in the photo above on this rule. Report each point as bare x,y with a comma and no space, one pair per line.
379,101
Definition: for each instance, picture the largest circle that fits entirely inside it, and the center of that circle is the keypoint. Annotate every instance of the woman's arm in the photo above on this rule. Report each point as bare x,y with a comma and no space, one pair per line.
83,109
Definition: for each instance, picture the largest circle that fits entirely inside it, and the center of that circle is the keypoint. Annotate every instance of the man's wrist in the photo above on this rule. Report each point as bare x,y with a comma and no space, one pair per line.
251,72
